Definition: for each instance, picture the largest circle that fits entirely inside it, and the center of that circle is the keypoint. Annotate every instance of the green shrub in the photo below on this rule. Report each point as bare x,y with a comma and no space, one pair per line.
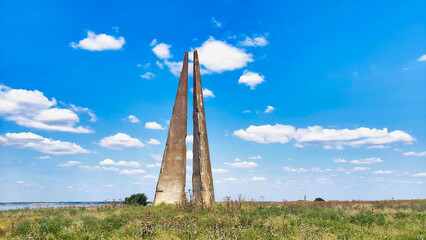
318,199
138,199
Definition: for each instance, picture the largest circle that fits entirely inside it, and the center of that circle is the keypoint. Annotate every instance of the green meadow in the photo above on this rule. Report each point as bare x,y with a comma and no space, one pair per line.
400,219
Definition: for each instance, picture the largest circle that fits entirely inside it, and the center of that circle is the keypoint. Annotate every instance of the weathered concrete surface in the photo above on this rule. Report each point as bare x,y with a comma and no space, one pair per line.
171,182
202,179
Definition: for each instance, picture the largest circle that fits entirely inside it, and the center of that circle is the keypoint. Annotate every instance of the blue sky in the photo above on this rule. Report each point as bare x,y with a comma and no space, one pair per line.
302,98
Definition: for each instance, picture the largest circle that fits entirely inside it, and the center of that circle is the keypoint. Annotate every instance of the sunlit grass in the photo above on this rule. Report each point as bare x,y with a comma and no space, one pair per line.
403,219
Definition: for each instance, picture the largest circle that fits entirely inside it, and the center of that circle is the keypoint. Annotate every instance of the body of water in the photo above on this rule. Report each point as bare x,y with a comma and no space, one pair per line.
32,205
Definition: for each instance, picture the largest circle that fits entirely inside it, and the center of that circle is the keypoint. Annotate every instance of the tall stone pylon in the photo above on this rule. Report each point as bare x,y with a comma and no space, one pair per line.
202,179
171,182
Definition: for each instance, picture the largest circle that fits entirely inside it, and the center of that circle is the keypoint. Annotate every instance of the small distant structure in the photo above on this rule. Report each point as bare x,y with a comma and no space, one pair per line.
304,198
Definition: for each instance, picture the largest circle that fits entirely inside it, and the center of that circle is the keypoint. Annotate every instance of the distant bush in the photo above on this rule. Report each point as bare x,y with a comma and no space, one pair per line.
318,199
138,199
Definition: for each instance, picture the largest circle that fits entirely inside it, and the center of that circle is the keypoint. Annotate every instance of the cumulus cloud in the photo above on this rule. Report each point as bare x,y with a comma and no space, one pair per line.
269,109
267,133
154,125
36,142
300,170
190,138
415,154
148,75
120,141
367,160
69,164
207,93
153,141
422,58
44,157
419,175
32,109
383,172
189,155
360,169
132,172
243,164
99,168
255,157
99,42
162,51
219,56
251,79
153,165
133,119
119,164
339,160
254,42
258,179
219,170
327,138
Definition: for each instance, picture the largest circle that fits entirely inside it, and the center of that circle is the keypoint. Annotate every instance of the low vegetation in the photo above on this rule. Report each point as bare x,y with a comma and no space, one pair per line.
403,219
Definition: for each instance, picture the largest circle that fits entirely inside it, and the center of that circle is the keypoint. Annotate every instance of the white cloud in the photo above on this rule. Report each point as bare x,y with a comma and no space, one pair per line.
230,179
99,42
190,138
44,157
269,109
251,79
367,160
339,160
69,164
255,157
219,170
98,168
149,177
422,58
419,175
156,157
216,22
383,172
189,155
93,117
153,141
133,119
267,133
162,51
154,125
119,164
246,111
132,172
327,138
360,169
258,179
148,75
315,169
120,141
107,186
207,93
219,56
153,165
36,142
416,154
159,64
254,42
153,43
243,164
32,109
300,170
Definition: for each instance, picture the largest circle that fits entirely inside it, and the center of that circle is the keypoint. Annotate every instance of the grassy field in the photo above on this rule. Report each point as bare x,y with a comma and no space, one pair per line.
403,219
